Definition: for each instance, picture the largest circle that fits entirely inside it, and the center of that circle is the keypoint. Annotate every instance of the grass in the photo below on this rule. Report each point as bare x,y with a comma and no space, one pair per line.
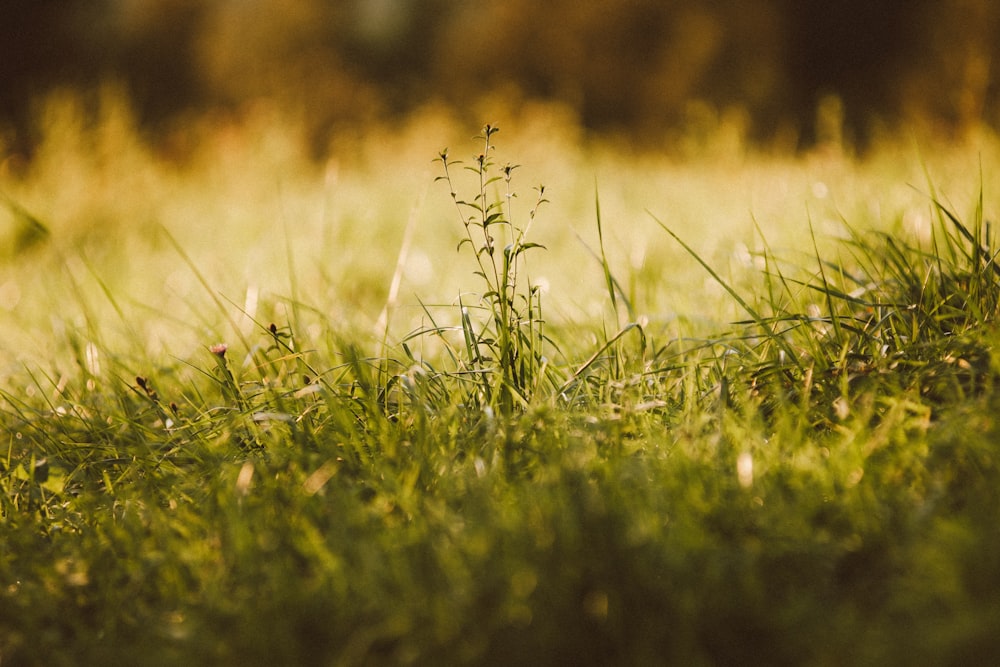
650,438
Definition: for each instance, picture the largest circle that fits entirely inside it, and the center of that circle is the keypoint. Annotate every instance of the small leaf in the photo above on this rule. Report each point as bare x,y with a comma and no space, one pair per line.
521,247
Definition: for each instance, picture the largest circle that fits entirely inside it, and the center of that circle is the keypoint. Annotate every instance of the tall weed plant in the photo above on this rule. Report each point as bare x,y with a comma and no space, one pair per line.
502,350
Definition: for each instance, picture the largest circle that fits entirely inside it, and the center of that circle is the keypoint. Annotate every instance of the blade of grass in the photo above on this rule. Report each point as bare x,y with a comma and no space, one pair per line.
826,290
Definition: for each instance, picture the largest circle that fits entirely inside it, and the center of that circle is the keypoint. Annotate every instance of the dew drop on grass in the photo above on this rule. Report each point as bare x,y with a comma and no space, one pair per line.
244,478
93,359
744,470
841,408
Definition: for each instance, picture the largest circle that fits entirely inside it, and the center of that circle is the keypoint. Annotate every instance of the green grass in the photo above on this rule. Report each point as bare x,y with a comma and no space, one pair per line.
698,445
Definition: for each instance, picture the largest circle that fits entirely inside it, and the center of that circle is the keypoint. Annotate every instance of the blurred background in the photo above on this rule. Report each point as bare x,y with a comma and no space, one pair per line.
788,73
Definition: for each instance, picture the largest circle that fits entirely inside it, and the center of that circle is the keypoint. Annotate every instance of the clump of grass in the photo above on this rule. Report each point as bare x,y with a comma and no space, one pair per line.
891,317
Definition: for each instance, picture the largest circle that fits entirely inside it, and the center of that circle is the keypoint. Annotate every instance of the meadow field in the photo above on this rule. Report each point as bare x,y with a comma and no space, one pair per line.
532,399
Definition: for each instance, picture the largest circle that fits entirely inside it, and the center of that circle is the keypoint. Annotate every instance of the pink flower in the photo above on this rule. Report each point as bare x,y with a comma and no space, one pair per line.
219,350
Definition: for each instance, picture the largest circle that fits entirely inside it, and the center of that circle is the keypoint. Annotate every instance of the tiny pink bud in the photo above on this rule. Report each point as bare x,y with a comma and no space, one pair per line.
219,350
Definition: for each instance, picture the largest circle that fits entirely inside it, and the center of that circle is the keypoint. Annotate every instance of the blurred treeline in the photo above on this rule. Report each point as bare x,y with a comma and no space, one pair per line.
636,68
